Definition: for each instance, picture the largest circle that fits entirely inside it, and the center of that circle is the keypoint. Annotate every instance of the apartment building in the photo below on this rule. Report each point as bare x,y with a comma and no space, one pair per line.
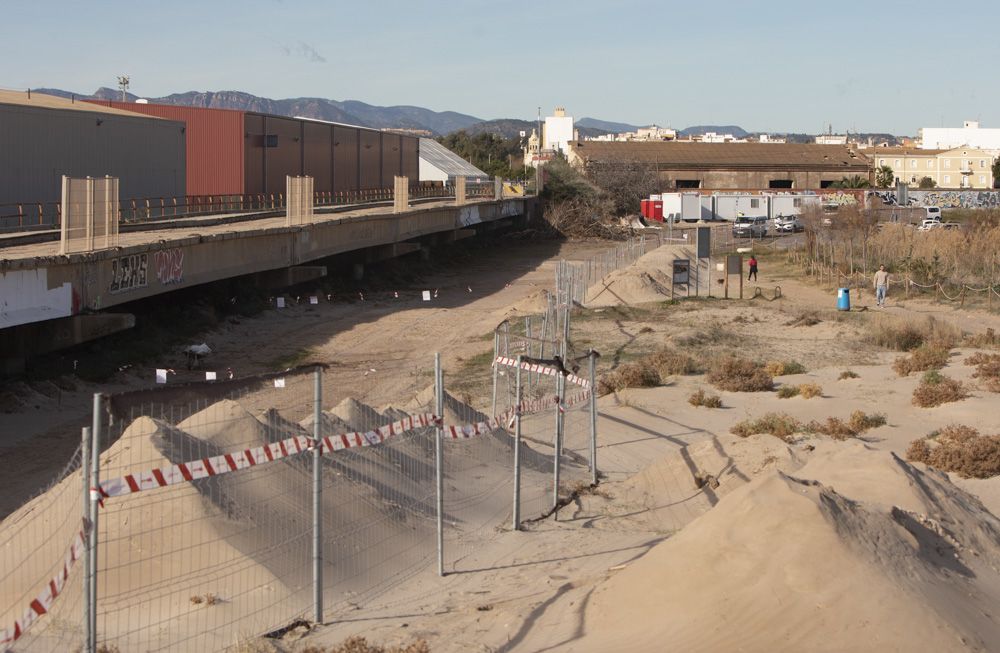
961,167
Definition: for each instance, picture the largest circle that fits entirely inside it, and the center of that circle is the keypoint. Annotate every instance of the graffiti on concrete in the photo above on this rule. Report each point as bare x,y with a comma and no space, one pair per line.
840,199
128,273
170,266
945,199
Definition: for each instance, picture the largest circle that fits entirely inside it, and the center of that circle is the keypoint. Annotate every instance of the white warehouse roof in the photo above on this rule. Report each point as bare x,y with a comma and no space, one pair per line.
438,163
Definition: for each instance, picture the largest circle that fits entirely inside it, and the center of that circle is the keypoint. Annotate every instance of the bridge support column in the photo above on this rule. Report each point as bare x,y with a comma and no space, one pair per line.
358,271
401,195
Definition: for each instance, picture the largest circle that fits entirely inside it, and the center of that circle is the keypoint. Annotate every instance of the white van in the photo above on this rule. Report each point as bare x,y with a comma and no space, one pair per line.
933,213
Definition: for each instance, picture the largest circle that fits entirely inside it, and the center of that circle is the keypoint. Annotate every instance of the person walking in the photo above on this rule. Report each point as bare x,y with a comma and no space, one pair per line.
881,286
753,268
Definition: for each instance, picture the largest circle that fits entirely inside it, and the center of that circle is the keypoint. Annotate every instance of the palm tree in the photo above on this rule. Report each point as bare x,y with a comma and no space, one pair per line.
857,181
884,176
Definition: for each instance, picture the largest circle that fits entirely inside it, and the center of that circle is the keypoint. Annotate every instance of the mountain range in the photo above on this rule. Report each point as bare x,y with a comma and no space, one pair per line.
353,112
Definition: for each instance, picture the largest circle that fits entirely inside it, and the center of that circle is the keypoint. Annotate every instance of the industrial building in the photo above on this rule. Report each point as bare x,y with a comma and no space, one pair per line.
247,153
43,137
685,165
438,163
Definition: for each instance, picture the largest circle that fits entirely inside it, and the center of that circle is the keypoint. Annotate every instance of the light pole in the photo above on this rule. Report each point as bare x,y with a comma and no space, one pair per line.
123,81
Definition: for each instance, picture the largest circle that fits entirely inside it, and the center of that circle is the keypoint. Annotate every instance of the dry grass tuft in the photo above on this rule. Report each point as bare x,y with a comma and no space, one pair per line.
810,390
809,318
360,645
838,429
936,389
670,362
107,648
780,425
898,334
987,369
988,339
739,375
848,374
788,391
784,368
702,398
960,449
804,390
928,356
636,374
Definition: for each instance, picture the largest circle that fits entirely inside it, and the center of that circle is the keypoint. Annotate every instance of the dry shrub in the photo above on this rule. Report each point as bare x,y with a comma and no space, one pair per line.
810,390
788,391
779,425
357,644
670,362
987,369
936,389
900,334
637,374
809,318
838,429
784,368
739,375
928,356
988,339
702,398
960,449
848,374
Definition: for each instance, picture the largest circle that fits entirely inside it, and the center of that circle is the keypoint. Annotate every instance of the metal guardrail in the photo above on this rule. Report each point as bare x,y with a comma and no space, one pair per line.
37,216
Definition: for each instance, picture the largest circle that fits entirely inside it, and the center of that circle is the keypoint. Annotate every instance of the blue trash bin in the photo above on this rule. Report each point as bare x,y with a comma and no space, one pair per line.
843,299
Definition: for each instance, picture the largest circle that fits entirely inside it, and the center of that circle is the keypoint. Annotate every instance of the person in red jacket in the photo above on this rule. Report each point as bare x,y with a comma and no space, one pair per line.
753,268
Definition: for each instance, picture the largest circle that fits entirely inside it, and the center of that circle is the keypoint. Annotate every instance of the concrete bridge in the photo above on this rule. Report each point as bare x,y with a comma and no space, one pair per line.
50,301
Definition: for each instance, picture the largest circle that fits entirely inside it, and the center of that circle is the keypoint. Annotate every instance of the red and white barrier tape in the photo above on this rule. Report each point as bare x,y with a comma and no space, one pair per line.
541,369
237,460
43,602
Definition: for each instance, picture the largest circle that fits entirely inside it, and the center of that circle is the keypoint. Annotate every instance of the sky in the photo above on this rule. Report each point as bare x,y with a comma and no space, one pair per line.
779,66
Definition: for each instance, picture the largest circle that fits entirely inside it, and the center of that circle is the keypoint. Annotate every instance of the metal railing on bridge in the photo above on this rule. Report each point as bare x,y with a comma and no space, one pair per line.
42,216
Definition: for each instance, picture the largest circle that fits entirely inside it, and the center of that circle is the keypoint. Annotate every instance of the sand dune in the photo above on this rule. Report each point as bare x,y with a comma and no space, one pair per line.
855,551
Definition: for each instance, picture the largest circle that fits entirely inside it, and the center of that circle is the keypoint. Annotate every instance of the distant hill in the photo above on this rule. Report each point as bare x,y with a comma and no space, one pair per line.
348,111
698,130
506,127
606,126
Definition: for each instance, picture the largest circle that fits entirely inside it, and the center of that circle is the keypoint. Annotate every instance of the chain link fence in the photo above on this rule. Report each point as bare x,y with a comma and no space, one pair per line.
221,511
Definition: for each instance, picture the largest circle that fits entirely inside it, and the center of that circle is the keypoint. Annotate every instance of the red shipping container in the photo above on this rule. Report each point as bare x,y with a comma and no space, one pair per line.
656,210
645,208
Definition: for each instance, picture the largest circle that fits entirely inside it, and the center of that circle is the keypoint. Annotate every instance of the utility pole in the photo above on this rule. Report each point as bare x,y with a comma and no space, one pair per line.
123,81
541,146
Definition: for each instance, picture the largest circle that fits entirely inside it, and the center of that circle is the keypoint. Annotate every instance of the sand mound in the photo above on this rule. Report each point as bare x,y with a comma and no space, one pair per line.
645,281
456,412
359,416
225,424
536,302
787,563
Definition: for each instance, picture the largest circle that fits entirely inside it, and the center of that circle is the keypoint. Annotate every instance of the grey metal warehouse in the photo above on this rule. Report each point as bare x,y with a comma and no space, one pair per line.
43,138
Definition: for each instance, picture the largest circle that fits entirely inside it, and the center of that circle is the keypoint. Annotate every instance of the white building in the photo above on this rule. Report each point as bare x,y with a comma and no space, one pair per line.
968,135
558,131
831,139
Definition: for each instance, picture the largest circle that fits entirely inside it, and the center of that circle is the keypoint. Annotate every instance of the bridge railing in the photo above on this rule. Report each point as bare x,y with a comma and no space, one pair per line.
41,216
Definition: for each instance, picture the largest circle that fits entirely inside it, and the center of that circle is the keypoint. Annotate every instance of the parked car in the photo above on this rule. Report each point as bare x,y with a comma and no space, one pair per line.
930,223
750,227
788,224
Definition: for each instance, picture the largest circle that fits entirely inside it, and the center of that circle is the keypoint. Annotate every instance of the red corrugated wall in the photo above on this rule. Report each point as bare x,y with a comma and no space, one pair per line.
214,145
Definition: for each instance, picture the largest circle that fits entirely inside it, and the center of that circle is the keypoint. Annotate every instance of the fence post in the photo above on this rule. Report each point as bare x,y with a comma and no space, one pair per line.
593,417
517,445
439,458
496,368
317,513
95,496
85,477
557,444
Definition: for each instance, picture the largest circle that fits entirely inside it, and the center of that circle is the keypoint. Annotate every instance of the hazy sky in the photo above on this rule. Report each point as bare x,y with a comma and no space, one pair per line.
772,66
